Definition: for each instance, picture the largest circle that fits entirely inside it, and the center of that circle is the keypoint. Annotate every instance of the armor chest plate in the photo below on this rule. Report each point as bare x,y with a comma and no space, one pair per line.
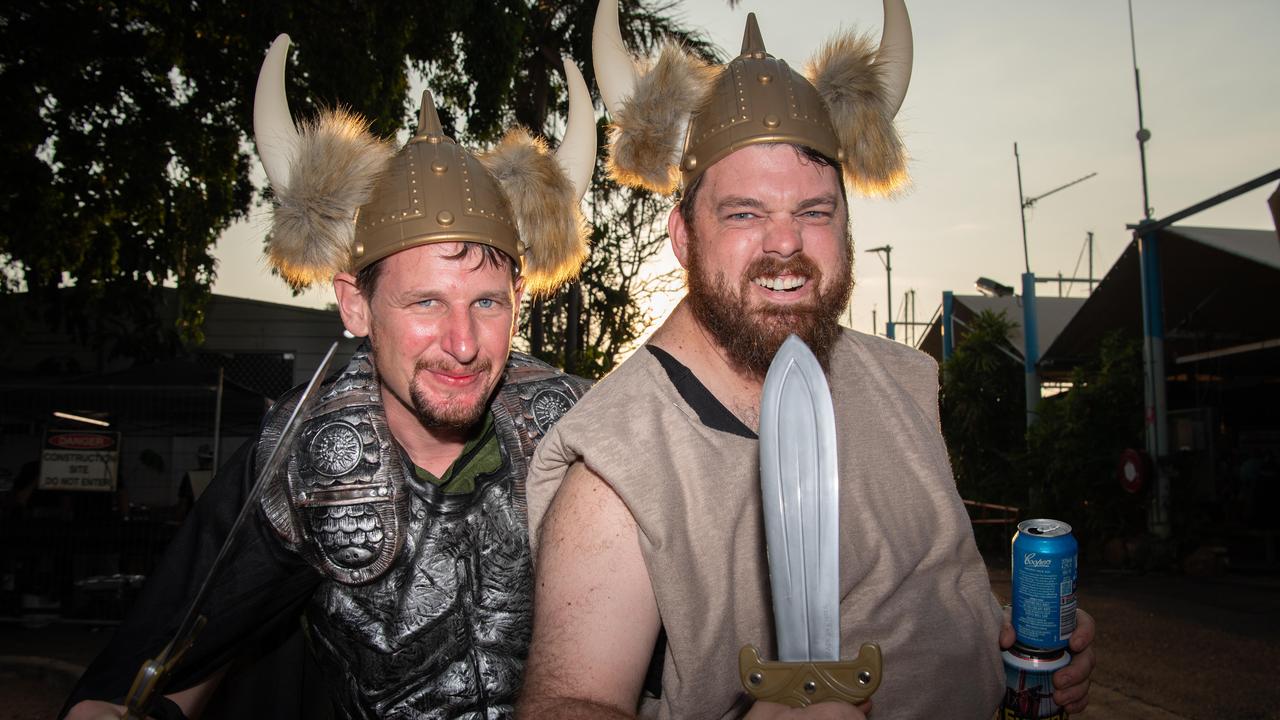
443,633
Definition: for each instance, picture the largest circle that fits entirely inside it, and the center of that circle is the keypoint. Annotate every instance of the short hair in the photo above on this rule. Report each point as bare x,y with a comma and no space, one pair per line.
367,278
689,195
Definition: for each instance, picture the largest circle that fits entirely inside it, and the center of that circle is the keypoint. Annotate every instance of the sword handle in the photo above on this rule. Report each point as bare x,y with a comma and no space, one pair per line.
154,673
800,684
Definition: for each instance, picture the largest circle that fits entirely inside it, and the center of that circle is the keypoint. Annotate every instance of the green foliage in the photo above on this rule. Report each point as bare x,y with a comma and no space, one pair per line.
983,405
589,325
614,297
1063,467
122,163
126,137
1075,445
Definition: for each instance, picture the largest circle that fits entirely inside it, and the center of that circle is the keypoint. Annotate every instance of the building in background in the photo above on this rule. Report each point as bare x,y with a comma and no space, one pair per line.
65,550
1222,371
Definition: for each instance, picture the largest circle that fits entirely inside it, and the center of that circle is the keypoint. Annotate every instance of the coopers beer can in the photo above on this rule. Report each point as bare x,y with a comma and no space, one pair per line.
1028,687
1044,584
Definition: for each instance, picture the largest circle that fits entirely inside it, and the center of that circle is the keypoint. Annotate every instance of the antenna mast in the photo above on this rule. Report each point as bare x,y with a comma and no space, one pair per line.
1143,133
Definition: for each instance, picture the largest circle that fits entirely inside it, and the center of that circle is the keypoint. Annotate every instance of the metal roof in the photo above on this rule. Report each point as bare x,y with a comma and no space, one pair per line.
1219,298
1052,315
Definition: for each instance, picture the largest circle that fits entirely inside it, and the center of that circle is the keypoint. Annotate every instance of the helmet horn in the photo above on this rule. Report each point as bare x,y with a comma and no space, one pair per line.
273,128
616,74
577,152
895,53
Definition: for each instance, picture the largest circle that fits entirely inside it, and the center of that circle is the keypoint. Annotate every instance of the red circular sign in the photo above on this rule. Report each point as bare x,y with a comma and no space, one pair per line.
1132,472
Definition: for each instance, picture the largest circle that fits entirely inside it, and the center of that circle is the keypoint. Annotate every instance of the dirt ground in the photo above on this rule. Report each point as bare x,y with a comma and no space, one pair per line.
1204,649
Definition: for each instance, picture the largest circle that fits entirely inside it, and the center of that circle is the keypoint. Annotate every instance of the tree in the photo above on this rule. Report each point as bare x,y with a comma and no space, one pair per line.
1075,445
983,412
126,145
615,295
586,327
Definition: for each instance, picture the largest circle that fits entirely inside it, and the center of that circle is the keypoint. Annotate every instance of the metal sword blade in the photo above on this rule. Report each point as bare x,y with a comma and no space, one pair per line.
800,495
152,675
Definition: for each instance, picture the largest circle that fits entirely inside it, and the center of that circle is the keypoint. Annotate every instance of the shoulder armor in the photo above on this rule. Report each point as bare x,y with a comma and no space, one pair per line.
340,501
534,395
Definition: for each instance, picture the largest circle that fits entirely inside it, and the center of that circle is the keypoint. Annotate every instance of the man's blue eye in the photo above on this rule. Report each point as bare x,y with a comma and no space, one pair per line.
485,302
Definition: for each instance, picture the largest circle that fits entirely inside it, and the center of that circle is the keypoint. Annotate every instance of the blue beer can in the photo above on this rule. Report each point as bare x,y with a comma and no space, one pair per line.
1044,584
1028,686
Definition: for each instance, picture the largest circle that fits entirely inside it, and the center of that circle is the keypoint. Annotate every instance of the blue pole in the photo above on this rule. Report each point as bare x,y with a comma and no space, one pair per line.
948,327
1158,520
1031,345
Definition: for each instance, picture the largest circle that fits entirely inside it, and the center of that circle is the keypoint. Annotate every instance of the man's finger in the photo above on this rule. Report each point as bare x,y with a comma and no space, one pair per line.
1007,635
1077,671
1076,705
1082,636
831,710
1071,683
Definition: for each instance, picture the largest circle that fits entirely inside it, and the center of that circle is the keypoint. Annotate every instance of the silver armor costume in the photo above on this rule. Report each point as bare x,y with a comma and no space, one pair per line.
426,608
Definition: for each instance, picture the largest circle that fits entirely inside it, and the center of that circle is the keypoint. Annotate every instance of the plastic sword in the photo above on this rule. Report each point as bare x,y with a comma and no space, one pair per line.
800,493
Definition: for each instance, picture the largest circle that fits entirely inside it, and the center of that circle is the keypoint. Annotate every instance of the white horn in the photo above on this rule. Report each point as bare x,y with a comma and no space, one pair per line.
895,52
273,129
577,151
615,70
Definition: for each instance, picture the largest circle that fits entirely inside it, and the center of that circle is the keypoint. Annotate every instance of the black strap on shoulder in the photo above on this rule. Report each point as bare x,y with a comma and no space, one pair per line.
710,410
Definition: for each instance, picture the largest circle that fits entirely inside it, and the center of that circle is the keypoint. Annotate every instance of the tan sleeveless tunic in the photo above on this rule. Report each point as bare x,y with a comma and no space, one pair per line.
911,578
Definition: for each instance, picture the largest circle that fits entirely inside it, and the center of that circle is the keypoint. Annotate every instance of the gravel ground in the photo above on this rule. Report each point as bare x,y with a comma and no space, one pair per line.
32,687
1201,649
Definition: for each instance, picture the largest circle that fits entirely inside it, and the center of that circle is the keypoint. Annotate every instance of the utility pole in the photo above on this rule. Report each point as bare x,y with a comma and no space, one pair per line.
1022,209
1031,342
913,316
1090,275
1143,133
887,261
1159,521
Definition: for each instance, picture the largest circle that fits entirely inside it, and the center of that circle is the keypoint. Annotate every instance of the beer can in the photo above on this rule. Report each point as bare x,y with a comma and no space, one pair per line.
1044,584
1028,686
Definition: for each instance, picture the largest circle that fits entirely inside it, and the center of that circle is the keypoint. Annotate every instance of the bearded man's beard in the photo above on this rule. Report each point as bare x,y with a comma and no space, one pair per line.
750,333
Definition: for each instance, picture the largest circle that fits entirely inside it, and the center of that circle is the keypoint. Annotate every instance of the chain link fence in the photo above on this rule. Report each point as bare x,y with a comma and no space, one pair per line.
83,554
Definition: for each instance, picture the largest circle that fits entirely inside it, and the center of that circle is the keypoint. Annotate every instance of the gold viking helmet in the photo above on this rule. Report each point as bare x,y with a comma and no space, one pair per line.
345,200
677,118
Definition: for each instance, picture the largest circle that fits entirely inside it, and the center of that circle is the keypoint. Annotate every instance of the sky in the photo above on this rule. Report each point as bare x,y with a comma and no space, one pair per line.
1054,76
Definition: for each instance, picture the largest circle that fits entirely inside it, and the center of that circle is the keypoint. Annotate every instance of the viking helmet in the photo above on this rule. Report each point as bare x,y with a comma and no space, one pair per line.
677,118
345,200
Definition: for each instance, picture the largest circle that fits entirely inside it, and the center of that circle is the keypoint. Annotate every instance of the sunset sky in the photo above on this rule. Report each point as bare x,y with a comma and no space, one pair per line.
1057,77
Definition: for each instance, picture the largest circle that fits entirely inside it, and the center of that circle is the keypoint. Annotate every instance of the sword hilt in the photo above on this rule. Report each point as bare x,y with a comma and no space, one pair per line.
800,684
154,673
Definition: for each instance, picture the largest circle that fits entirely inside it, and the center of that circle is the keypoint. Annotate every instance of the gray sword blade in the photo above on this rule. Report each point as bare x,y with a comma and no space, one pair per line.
151,677
800,495
279,454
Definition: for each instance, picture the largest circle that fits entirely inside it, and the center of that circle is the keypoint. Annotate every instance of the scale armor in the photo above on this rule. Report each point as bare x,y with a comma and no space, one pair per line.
426,610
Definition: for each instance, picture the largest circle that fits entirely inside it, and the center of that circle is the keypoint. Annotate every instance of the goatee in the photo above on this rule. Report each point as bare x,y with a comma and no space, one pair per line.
751,332
451,413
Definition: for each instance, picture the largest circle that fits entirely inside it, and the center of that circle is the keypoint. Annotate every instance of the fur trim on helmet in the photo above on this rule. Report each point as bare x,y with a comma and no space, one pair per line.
335,167
848,78
648,131
545,206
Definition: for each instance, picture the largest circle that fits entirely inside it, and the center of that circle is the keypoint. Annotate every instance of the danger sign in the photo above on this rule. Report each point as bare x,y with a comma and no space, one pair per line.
79,460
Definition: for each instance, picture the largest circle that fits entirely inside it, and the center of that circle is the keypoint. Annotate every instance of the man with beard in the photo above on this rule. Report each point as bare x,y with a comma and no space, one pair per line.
397,526
651,561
